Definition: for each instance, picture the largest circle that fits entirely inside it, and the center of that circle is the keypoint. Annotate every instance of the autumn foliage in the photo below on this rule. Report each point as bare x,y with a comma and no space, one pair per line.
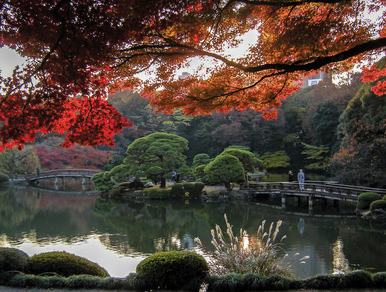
79,51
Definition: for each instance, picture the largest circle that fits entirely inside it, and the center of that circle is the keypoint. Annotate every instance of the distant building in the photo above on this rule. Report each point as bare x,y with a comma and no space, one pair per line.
184,75
314,79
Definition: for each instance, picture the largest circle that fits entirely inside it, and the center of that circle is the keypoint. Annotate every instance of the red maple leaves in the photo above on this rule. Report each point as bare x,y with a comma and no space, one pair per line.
78,50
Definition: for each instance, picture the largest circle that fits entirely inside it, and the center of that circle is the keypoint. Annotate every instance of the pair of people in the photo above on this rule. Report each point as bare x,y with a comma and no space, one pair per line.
301,178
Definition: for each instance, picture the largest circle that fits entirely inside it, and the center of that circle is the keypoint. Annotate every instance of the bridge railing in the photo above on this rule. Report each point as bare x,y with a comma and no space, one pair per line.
314,186
64,172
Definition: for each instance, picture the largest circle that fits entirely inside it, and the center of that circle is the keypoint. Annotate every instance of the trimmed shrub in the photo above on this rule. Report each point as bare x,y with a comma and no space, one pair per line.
64,264
3,178
194,189
174,270
12,259
384,197
177,191
157,193
365,199
380,280
378,204
322,282
230,282
276,282
251,282
357,279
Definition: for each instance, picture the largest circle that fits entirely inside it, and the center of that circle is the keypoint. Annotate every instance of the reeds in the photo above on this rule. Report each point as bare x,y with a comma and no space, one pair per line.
245,254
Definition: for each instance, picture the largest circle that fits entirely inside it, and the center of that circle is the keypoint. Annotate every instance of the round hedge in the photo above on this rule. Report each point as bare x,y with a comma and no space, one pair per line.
174,270
12,259
177,190
378,204
156,193
384,197
3,178
64,264
365,199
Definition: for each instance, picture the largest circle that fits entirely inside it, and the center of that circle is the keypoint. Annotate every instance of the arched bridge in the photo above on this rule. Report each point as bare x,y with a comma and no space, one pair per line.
312,190
62,173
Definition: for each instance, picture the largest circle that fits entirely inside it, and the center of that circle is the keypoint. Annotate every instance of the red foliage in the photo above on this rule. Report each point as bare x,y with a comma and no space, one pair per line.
371,75
75,157
76,51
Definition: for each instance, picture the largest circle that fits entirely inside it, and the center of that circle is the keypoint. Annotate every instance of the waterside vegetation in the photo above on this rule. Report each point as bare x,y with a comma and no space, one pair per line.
195,270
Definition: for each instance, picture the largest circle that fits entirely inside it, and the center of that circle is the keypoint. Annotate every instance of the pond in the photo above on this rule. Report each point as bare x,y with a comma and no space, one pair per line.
118,235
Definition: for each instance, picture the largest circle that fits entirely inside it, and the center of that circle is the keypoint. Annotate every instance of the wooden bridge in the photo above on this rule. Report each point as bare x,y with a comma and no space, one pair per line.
62,174
312,190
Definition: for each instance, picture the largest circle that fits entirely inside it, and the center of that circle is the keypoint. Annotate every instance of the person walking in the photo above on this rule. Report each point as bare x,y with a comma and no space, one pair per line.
301,179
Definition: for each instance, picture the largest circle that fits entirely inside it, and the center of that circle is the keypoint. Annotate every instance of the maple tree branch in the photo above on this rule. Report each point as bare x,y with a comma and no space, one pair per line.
319,62
227,94
286,3
300,65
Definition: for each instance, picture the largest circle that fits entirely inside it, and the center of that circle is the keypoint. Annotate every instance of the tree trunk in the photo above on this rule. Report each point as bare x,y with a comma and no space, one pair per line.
163,182
228,186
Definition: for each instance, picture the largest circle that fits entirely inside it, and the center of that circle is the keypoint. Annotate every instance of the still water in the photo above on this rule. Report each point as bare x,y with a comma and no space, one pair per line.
118,236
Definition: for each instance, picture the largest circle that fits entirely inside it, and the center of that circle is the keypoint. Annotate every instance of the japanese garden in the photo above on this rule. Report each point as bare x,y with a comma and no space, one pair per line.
196,145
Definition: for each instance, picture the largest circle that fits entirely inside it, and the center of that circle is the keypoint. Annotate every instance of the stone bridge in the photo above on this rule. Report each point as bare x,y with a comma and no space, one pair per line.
84,174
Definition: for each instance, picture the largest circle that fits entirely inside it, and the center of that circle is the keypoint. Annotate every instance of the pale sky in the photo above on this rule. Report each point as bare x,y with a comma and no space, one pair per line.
8,60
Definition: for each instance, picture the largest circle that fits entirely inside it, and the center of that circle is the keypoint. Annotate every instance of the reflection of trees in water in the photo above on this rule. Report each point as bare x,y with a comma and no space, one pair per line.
16,208
166,225
169,225
154,225
364,247
42,217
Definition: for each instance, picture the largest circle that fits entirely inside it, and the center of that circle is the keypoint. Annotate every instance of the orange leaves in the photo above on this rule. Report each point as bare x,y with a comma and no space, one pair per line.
373,74
223,90
80,49
380,88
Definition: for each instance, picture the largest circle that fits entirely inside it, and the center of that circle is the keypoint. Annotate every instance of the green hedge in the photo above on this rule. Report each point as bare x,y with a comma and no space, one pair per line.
63,264
231,282
378,204
12,259
365,199
187,190
254,282
384,197
3,178
194,189
177,190
174,270
156,193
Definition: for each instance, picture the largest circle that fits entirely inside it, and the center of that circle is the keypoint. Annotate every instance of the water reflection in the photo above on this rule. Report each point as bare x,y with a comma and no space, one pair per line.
120,234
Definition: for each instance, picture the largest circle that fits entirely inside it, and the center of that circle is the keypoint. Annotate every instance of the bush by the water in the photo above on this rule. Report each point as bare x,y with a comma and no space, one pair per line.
124,187
102,182
12,259
384,197
64,264
194,189
174,270
378,204
365,199
230,282
3,178
255,282
157,193
177,191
